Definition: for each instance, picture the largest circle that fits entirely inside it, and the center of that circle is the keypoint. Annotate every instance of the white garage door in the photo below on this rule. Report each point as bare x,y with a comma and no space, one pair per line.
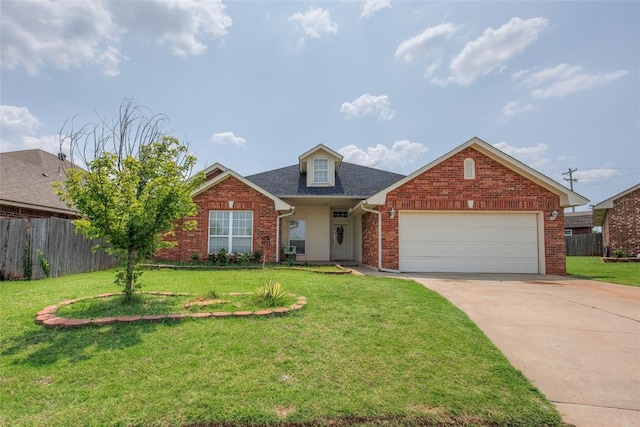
468,242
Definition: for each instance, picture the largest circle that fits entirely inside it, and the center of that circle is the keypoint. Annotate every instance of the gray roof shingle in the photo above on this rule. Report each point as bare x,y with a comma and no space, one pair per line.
351,181
578,219
27,177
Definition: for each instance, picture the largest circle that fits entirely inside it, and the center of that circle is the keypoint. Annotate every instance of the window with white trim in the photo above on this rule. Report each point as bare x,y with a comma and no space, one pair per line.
469,168
568,232
298,235
231,231
320,171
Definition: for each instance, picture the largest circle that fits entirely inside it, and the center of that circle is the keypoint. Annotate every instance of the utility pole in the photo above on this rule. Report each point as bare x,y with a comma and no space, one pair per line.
571,180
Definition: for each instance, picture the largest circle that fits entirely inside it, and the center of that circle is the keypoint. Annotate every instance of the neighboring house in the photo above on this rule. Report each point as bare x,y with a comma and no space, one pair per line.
619,217
26,185
578,223
475,209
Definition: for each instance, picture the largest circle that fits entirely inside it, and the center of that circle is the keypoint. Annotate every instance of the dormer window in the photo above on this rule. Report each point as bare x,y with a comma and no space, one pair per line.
320,165
320,171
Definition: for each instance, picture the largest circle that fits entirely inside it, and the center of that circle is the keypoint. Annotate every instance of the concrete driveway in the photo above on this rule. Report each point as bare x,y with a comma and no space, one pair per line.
578,341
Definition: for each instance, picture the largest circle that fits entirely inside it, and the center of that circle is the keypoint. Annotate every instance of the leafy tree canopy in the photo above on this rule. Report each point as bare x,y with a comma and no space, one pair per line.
137,183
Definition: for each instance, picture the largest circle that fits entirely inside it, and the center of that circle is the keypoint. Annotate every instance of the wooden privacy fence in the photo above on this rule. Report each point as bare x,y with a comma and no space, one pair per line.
26,244
584,245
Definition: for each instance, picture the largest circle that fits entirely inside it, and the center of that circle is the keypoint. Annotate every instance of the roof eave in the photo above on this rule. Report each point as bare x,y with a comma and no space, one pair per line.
568,198
279,204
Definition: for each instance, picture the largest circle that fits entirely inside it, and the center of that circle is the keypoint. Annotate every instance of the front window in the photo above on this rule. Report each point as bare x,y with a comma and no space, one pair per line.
231,231
298,235
320,171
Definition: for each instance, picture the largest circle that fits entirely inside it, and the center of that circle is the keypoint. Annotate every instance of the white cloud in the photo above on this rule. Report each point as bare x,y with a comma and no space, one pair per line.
64,34
402,153
71,34
315,22
184,25
228,138
595,175
19,131
492,50
513,107
427,46
368,105
369,7
563,80
532,156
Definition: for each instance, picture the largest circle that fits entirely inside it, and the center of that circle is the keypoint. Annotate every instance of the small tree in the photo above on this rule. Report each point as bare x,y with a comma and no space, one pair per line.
137,183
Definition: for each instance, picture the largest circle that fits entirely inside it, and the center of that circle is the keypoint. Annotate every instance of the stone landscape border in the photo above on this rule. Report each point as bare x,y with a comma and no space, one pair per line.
47,316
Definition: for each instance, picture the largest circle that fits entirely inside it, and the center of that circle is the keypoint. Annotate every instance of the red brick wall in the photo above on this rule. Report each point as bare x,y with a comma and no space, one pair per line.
495,188
7,211
621,228
217,197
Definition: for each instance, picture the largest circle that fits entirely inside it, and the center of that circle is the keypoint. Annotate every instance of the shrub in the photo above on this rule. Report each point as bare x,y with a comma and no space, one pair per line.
271,294
223,258
44,264
620,253
195,257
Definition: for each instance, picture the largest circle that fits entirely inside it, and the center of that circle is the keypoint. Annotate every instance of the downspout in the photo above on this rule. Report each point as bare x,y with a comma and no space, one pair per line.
293,210
387,270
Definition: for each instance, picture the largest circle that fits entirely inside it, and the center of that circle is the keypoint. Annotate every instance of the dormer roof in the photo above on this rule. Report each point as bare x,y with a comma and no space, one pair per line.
322,150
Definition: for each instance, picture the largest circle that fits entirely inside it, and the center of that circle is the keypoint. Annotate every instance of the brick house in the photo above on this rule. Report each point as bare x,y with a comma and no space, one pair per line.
619,217
26,185
474,209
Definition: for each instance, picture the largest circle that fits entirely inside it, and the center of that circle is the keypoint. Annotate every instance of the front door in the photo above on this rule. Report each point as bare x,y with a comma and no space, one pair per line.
340,241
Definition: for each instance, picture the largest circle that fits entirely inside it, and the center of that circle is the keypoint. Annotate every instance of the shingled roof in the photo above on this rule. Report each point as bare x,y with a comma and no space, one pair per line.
27,179
578,220
351,181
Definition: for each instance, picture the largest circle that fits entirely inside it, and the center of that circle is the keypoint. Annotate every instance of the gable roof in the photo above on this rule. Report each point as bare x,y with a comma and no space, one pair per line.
302,160
352,181
578,220
27,177
600,210
567,197
280,205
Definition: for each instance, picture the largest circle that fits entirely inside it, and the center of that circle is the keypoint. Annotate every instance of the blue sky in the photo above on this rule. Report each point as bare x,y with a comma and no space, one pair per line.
389,84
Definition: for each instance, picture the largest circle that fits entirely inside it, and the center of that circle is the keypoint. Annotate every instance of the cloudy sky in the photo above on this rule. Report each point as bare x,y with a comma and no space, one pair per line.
389,84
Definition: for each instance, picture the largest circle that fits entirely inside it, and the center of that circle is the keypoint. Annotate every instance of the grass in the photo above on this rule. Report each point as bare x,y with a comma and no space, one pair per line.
145,304
593,268
363,351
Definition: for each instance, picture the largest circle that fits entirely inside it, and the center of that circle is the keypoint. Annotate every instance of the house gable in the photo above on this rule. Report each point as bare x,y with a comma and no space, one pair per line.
619,217
228,192
218,176
320,165
567,197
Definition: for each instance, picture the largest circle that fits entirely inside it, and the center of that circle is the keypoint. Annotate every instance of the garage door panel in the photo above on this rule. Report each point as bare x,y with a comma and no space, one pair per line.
467,242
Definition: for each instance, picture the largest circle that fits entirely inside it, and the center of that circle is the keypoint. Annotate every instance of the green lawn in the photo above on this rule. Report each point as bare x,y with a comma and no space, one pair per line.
625,273
363,351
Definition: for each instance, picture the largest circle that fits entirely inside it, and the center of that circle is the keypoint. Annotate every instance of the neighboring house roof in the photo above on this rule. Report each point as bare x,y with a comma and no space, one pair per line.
280,205
567,197
27,177
578,220
352,181
600,210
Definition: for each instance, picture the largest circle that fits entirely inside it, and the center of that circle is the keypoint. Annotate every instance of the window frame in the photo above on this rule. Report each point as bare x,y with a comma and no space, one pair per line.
324,170
233,227
301,249
469,165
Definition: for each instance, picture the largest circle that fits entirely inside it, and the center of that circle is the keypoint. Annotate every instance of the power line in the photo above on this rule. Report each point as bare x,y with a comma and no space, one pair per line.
571,180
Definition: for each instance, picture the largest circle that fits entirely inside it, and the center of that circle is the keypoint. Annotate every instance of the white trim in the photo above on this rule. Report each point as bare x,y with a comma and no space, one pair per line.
567,197
280,204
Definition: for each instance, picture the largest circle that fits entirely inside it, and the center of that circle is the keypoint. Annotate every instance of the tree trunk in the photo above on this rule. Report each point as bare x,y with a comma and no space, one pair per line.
129,278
